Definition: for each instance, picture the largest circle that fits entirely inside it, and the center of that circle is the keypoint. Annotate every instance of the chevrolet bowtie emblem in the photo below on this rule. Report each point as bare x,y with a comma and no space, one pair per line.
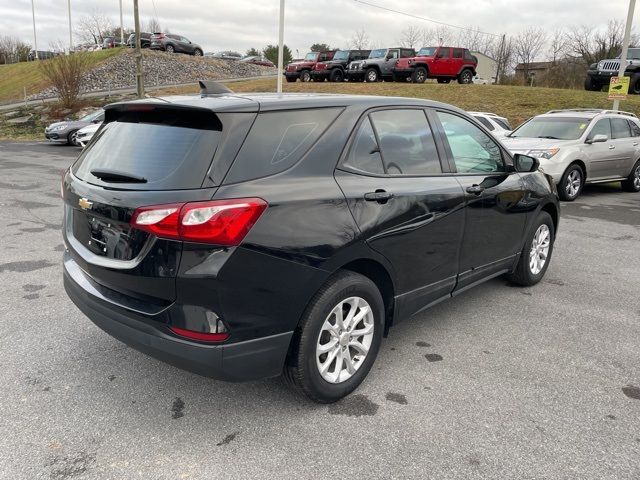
85,204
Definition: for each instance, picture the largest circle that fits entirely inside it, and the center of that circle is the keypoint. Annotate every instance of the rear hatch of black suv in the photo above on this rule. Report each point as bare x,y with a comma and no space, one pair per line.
149,165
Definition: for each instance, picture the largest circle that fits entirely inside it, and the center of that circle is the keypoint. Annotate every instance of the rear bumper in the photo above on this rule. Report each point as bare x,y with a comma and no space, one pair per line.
241,361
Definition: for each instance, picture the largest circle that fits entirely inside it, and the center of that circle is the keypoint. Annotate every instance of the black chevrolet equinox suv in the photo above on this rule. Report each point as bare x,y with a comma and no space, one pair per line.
248,236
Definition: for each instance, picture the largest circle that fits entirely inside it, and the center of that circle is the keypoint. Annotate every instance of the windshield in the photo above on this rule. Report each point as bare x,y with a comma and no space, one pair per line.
311,56
427,52
341,55
633,54
559,128
92,116
381,52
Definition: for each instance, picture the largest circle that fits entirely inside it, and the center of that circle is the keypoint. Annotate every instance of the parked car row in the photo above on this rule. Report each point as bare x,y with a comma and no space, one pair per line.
391,64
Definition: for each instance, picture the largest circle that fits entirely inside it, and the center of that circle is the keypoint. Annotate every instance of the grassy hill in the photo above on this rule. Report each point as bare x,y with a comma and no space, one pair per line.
16,76
515,103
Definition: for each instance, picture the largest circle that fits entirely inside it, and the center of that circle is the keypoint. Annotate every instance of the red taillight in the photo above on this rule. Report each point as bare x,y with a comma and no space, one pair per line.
221,222
200,336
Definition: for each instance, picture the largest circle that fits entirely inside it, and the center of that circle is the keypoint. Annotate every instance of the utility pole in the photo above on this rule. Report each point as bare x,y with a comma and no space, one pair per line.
280,46
500,67
625,46
139,80
35,40
121,26
70,34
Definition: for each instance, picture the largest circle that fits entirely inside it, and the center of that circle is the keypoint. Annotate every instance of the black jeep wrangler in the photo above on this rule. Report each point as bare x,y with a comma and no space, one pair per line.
333,70
599,74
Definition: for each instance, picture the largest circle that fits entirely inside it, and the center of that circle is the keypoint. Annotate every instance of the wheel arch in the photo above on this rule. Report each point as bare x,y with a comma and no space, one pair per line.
553,212
582,165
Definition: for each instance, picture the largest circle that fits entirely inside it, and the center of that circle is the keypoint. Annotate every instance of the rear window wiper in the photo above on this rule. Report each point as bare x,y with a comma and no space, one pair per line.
107,175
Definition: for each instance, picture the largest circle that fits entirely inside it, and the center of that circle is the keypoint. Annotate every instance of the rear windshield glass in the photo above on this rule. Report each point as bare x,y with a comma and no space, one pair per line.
558,128
169,155
278,140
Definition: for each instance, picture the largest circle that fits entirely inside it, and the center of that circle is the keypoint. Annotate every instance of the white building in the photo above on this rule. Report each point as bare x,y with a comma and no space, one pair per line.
487,67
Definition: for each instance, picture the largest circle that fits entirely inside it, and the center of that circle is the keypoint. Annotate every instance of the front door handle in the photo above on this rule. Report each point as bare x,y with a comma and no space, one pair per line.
475,189
380,196
635,144
612,147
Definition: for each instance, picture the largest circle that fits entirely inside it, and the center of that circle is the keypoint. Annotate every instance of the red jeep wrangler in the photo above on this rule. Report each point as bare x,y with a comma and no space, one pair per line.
441,63
303,68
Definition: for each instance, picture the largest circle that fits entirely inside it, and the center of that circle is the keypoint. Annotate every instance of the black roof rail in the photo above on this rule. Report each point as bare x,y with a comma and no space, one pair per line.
210,87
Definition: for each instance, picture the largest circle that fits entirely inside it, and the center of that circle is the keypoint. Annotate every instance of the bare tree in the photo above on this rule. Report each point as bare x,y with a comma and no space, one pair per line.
153,25
93,28
411,37
527,47
360,39
557,45
65,72
503,53
475,40
441,35
594,45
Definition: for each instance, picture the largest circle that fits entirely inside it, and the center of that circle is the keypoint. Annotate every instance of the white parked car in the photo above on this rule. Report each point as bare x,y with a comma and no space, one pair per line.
581,146
85,134
480,81
497,125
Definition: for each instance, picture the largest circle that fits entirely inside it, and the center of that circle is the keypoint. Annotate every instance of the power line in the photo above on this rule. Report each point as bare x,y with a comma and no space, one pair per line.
423,18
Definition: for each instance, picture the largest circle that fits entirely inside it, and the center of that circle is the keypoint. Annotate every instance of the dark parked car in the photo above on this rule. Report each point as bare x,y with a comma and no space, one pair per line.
240,237
379,65
145,40
256,60
174,43
111,42
333,70
226,55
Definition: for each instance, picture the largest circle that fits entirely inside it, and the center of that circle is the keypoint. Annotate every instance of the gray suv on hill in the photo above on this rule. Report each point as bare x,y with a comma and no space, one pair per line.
599,74
581,146
379,65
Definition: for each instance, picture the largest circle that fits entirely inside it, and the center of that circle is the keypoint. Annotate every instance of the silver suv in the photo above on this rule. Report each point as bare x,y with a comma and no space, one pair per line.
581,146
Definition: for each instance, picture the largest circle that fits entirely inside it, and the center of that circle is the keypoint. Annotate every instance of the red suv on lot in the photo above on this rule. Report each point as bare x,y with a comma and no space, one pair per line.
303,68
441,63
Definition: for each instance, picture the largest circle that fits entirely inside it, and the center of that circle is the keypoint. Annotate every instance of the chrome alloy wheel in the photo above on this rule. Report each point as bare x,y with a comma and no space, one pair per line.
636,178
344,340
539,249
574,181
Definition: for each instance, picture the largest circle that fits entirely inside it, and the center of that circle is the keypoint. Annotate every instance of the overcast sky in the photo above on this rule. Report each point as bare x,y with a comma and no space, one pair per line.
241,24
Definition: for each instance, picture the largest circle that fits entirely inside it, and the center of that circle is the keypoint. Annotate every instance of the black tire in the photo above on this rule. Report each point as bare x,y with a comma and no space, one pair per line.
465,77
523,275
336,75
170,49
419,75
632,183
634,84
301,370
305,76
71,138
371,75
564,191
197,52
290,79
444,80
591,85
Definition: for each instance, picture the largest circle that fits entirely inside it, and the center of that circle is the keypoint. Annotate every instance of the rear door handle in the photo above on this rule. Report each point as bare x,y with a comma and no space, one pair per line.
635,144
612,147
380,196
475,189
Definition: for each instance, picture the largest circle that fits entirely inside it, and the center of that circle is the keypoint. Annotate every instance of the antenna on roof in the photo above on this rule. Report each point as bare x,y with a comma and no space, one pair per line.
209,87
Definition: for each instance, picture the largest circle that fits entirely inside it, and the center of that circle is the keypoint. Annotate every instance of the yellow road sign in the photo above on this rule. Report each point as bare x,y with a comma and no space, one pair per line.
618,88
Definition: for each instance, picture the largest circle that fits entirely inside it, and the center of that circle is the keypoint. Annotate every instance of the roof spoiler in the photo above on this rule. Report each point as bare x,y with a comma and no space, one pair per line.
209,87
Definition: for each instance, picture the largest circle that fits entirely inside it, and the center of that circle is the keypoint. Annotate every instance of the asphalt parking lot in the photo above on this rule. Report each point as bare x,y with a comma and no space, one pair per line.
500,382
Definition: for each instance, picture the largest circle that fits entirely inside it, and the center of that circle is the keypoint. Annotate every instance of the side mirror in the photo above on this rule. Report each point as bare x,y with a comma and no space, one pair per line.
599,138
525,163
389,56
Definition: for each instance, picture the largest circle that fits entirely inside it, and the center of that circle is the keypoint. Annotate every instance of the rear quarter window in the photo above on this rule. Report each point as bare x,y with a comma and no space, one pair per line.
278,140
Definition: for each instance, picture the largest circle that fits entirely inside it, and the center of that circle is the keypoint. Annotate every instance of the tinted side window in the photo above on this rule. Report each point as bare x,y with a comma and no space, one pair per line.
444,53
502,123
486,123
393,53
602,127
364,154
404,53
406,141
457,53
278,140
473,150
635,129
620,128
467,55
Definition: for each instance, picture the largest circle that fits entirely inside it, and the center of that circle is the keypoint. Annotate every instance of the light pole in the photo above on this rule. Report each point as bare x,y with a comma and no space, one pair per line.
280,46
139,80
121,26
625,46
35,40
70,35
